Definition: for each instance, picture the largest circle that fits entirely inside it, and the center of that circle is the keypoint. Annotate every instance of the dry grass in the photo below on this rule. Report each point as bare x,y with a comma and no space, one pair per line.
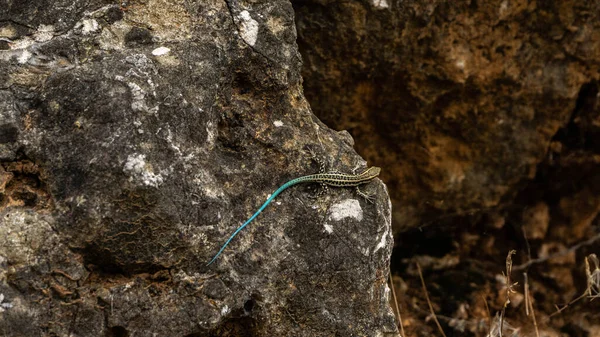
529,304
398,315
592,290
498,326
429,301
592,271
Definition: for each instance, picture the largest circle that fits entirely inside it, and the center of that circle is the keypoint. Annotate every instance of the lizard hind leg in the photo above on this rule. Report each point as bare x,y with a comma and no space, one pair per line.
319,161
321,190
369,197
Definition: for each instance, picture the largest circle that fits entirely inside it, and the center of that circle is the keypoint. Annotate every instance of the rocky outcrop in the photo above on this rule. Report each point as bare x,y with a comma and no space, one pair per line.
135,139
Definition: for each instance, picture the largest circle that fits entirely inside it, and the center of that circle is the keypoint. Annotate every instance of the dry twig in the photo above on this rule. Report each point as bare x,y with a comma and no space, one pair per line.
429,301
593,276
399,317
558,254
509,287
529,304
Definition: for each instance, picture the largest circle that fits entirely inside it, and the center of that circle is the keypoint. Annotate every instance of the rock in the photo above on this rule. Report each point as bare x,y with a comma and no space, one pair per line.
134,141
536,220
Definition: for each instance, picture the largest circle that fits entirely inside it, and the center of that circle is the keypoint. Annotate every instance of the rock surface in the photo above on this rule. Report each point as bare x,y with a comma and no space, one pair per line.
135,139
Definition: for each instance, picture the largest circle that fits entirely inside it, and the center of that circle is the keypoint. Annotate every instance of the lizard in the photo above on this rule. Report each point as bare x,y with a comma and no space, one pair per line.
326,179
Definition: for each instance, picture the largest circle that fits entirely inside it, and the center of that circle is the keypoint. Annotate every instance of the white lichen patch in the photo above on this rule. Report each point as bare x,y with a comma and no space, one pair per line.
22,43
138,96
328,228
89,26
349,208
248,28
381,3
211,134
4,305
44,33
166,58
24,57
161,51
382,240
173,143
140,171
225,310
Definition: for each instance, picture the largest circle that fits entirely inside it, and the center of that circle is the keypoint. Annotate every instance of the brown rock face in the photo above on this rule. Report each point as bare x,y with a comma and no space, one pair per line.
457,101
485,119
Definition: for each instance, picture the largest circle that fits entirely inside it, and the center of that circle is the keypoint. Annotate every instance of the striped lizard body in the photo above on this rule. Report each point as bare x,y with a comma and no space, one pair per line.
330,179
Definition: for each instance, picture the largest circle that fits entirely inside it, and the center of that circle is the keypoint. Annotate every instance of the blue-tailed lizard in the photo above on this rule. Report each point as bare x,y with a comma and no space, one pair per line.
331,179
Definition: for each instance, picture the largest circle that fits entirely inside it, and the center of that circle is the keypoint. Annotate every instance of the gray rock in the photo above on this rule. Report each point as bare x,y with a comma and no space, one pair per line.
135,139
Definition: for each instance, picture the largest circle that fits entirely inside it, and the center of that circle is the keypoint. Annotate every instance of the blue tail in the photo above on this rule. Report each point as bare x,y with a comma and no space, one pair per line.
279,190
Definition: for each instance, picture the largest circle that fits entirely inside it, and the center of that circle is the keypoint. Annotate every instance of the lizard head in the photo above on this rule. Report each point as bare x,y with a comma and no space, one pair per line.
373,171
